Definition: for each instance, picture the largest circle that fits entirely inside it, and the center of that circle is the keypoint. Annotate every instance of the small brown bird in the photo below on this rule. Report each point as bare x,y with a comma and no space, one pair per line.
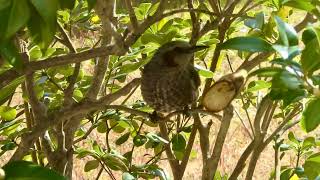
169,80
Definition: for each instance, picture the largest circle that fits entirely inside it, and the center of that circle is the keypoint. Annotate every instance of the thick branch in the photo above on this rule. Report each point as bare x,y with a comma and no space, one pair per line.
212,163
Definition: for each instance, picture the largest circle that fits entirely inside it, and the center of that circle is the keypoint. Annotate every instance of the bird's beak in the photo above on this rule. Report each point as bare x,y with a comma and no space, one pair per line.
197,48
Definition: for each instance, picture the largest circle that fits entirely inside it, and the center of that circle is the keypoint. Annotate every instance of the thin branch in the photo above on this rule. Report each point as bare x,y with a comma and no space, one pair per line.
174,164
74,57
132,15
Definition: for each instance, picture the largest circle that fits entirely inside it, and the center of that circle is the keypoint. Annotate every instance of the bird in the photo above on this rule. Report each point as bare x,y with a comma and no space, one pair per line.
169,81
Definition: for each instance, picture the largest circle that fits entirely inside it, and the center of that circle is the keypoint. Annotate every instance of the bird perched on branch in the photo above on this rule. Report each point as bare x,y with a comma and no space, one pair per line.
169,80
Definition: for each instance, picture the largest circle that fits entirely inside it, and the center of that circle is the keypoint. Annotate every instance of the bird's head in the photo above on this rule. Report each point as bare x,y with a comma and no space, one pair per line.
178,53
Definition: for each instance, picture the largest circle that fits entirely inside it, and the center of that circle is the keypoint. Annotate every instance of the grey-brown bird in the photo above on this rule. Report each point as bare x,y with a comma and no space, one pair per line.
170,81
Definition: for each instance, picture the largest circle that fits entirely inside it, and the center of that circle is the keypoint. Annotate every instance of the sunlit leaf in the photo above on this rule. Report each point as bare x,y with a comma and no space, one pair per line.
7,113
19,15
90,165
311,115
28,170
251,44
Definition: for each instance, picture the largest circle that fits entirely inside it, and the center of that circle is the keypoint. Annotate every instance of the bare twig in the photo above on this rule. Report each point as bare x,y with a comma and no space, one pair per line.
132,15
212,162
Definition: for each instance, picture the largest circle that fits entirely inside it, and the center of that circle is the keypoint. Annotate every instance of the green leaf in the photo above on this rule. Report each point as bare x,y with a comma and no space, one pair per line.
292,138
11,54
251,44
286,173
7,113
77,94
178,142
115,162
69,4
308,143
7,124
35,53
141,10
162,174
128,68
4,4
91,4
308,35
42,24
287,33
257,22
122,139
288,87
204,72
47,10
266,72
312,166
4,17
300,4
155,138
310,57
258,85
311,115
28,170
139,140
102,127
287,52
8,90
19,15
128,176
8,146
150,37
90,165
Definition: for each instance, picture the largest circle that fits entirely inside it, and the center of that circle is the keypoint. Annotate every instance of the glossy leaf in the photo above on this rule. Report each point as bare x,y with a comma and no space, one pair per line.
266,72
47,10
310,58
258,85
204,72
28,170
35,53
287,86
178,142
139,140
155,138
292,138
7,113
42,24
7,91
308,35
69,4
312,166
287,34
19,15
257,22
4,4
250,44
287,52
300,4
122,139
128,176
90,165
11,54
311,115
